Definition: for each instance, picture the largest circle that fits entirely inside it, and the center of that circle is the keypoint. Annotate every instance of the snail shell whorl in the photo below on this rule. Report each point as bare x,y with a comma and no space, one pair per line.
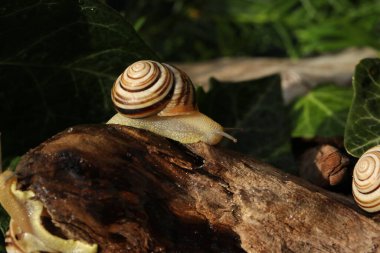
148,88
366,180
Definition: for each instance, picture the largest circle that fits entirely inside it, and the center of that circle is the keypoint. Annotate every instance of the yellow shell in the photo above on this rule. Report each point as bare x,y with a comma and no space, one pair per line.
149,88
11,244
366,180
26,231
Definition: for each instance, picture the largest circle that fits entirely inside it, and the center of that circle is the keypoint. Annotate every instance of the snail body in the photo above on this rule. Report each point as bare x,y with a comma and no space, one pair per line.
190,128
161,99
366,180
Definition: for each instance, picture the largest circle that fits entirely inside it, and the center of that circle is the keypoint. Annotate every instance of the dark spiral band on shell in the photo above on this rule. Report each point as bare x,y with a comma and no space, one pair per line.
148,88
366,180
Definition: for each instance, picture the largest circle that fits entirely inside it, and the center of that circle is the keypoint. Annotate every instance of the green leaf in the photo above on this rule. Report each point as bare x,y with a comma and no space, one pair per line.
363,123
58,61
321,112
255,112
10,163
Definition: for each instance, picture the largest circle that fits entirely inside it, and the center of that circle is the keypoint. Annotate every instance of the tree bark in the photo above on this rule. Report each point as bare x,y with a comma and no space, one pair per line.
132,191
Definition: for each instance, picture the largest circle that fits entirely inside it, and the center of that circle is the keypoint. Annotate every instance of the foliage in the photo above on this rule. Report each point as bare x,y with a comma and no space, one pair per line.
363,128
307,27
11,163
321,112
255,114
57,67
196,30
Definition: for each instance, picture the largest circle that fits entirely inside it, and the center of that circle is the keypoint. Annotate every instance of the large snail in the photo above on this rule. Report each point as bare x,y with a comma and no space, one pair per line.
366,180
160,98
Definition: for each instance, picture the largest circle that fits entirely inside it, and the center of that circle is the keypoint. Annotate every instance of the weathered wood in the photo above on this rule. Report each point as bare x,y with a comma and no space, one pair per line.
298,75
132,191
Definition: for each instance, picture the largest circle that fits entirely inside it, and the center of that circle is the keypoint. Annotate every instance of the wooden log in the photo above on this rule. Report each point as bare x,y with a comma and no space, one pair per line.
132,191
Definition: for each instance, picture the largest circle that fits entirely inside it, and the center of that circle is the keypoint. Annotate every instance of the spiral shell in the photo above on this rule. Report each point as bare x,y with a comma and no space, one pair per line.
366,180
148,88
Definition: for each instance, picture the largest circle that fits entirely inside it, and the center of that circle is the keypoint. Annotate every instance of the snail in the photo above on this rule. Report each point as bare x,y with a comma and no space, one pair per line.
366,180
160,98
27,232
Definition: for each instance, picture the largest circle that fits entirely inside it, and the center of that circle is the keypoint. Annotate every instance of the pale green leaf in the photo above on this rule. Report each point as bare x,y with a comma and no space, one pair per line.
321,112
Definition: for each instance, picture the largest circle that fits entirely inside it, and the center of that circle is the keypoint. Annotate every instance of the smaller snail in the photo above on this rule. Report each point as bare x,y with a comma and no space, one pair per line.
366,180
160,98
27,232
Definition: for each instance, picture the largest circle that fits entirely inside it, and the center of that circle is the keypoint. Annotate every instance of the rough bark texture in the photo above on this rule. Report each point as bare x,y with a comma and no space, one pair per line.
132,191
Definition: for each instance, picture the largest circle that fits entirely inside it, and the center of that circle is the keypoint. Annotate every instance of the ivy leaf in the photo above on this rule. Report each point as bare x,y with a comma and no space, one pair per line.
363,124
321,112
255,113
58,61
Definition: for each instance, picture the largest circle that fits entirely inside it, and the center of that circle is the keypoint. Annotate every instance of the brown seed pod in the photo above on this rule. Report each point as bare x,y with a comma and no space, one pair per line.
323,165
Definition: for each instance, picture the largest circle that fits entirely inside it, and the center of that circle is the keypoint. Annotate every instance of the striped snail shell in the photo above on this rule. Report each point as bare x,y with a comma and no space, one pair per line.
160,98
366,180
148,88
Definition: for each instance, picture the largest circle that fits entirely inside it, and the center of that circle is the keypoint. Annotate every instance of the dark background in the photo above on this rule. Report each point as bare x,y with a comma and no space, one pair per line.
180,30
